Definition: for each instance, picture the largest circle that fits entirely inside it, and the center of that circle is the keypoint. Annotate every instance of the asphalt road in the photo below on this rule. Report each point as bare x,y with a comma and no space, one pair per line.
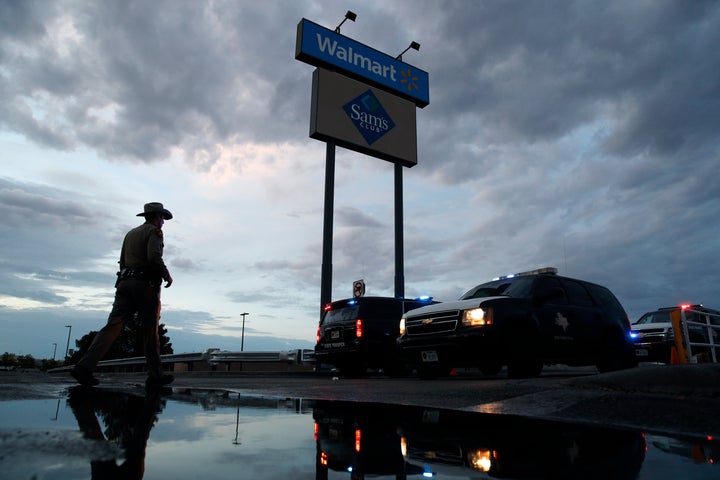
672,399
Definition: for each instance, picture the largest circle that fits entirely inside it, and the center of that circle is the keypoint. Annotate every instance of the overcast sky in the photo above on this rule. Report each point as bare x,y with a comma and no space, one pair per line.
581,135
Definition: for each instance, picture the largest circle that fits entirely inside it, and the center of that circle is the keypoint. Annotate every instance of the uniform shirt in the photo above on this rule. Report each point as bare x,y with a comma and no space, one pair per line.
143,249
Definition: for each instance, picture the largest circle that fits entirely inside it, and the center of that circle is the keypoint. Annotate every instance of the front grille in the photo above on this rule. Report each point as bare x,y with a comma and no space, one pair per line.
654,335
658,338
434,323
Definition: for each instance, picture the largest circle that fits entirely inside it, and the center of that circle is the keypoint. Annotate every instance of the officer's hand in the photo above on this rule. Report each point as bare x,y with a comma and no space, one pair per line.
168,279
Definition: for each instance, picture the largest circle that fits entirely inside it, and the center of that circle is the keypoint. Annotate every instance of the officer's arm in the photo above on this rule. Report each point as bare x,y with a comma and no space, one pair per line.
155,252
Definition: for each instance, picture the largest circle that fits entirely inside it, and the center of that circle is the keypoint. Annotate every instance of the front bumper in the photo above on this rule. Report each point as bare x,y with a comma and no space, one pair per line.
460,350
355,352
653,351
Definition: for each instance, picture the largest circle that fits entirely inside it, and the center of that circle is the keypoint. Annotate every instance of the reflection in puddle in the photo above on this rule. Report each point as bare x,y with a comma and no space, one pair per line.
191,434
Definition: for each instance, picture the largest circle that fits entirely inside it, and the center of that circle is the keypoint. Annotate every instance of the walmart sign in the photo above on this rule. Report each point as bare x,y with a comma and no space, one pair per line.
322,47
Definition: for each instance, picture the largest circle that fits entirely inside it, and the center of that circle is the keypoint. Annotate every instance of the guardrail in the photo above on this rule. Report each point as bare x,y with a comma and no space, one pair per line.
214,359
211,358
704,325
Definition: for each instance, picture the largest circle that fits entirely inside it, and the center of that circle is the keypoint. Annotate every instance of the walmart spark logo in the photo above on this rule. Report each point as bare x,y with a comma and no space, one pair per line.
409,80
369,117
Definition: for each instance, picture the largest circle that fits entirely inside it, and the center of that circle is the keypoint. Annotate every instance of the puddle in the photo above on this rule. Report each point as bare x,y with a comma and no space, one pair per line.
200,434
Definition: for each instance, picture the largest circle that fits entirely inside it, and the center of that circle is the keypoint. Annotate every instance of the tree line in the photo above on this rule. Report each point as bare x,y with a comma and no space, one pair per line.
129,344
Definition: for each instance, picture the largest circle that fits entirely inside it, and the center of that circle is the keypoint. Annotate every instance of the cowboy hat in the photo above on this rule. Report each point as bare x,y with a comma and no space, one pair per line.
155,207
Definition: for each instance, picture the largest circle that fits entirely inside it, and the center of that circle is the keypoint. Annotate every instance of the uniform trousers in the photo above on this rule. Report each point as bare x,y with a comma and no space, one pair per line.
132,295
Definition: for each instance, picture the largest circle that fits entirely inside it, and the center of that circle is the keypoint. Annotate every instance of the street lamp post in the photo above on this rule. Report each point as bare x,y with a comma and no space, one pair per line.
242,334
67,347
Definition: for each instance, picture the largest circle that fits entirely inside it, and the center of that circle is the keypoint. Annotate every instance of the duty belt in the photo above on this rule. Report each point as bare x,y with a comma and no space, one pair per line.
131,273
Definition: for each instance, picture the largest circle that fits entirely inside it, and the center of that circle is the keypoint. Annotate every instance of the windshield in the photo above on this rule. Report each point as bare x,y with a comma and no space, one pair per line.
654,317
341,315
519,287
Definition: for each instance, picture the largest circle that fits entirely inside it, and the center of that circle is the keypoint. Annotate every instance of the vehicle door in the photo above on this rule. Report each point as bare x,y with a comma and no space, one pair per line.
585,319
553,317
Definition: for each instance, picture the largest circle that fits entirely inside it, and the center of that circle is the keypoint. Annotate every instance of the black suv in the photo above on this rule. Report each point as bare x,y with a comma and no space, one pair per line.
522,321
360,333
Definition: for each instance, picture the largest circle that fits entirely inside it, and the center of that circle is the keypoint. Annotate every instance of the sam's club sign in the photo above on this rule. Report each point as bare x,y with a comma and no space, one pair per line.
322,47
369,117
363,118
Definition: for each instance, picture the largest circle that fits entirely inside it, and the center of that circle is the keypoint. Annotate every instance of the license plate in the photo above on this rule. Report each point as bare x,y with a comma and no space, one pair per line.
335,334
641,352
430,356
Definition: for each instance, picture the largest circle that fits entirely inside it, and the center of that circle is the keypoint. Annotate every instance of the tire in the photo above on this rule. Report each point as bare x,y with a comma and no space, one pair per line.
397,370
491,367
352,371
524,368
431,373
617,354
523,360
395,366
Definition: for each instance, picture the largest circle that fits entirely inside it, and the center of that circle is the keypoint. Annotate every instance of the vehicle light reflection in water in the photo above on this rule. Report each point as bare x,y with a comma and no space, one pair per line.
195,434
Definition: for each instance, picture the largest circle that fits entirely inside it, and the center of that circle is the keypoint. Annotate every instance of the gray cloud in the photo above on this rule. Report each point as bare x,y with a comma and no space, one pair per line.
581,135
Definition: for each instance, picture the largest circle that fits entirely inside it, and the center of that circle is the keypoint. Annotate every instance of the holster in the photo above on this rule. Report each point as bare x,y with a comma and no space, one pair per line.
132,273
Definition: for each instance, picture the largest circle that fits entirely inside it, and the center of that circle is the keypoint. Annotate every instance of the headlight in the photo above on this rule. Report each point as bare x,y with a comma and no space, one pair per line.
477,317
402,326
481,460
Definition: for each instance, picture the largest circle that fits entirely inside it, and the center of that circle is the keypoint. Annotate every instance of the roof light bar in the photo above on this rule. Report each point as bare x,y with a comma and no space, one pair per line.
538,271
683,306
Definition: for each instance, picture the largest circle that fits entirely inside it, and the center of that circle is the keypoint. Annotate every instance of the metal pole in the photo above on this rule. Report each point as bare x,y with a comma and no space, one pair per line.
242,335
399,253
326,271
67,347
54,350
237,426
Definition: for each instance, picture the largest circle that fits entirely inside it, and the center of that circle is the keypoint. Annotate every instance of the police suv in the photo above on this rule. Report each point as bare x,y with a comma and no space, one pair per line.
357,334
521,321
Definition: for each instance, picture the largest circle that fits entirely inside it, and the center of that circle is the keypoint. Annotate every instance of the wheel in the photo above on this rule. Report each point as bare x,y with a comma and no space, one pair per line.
522,359
397,370
429,373
524,368
394,365
617,353
352,371
491,367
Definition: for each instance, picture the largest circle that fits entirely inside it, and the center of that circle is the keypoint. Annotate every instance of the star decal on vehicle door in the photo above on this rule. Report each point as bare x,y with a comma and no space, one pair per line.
561,321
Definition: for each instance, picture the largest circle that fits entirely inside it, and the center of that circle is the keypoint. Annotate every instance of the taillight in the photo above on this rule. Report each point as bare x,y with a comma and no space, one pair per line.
358,440
358,328
317,336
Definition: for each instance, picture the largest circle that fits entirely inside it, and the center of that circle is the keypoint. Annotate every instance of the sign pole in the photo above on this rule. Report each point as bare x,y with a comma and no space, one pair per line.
399,252
326,272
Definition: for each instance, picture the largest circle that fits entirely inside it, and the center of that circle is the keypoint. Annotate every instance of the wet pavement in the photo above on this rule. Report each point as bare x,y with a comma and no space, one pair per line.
652,422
